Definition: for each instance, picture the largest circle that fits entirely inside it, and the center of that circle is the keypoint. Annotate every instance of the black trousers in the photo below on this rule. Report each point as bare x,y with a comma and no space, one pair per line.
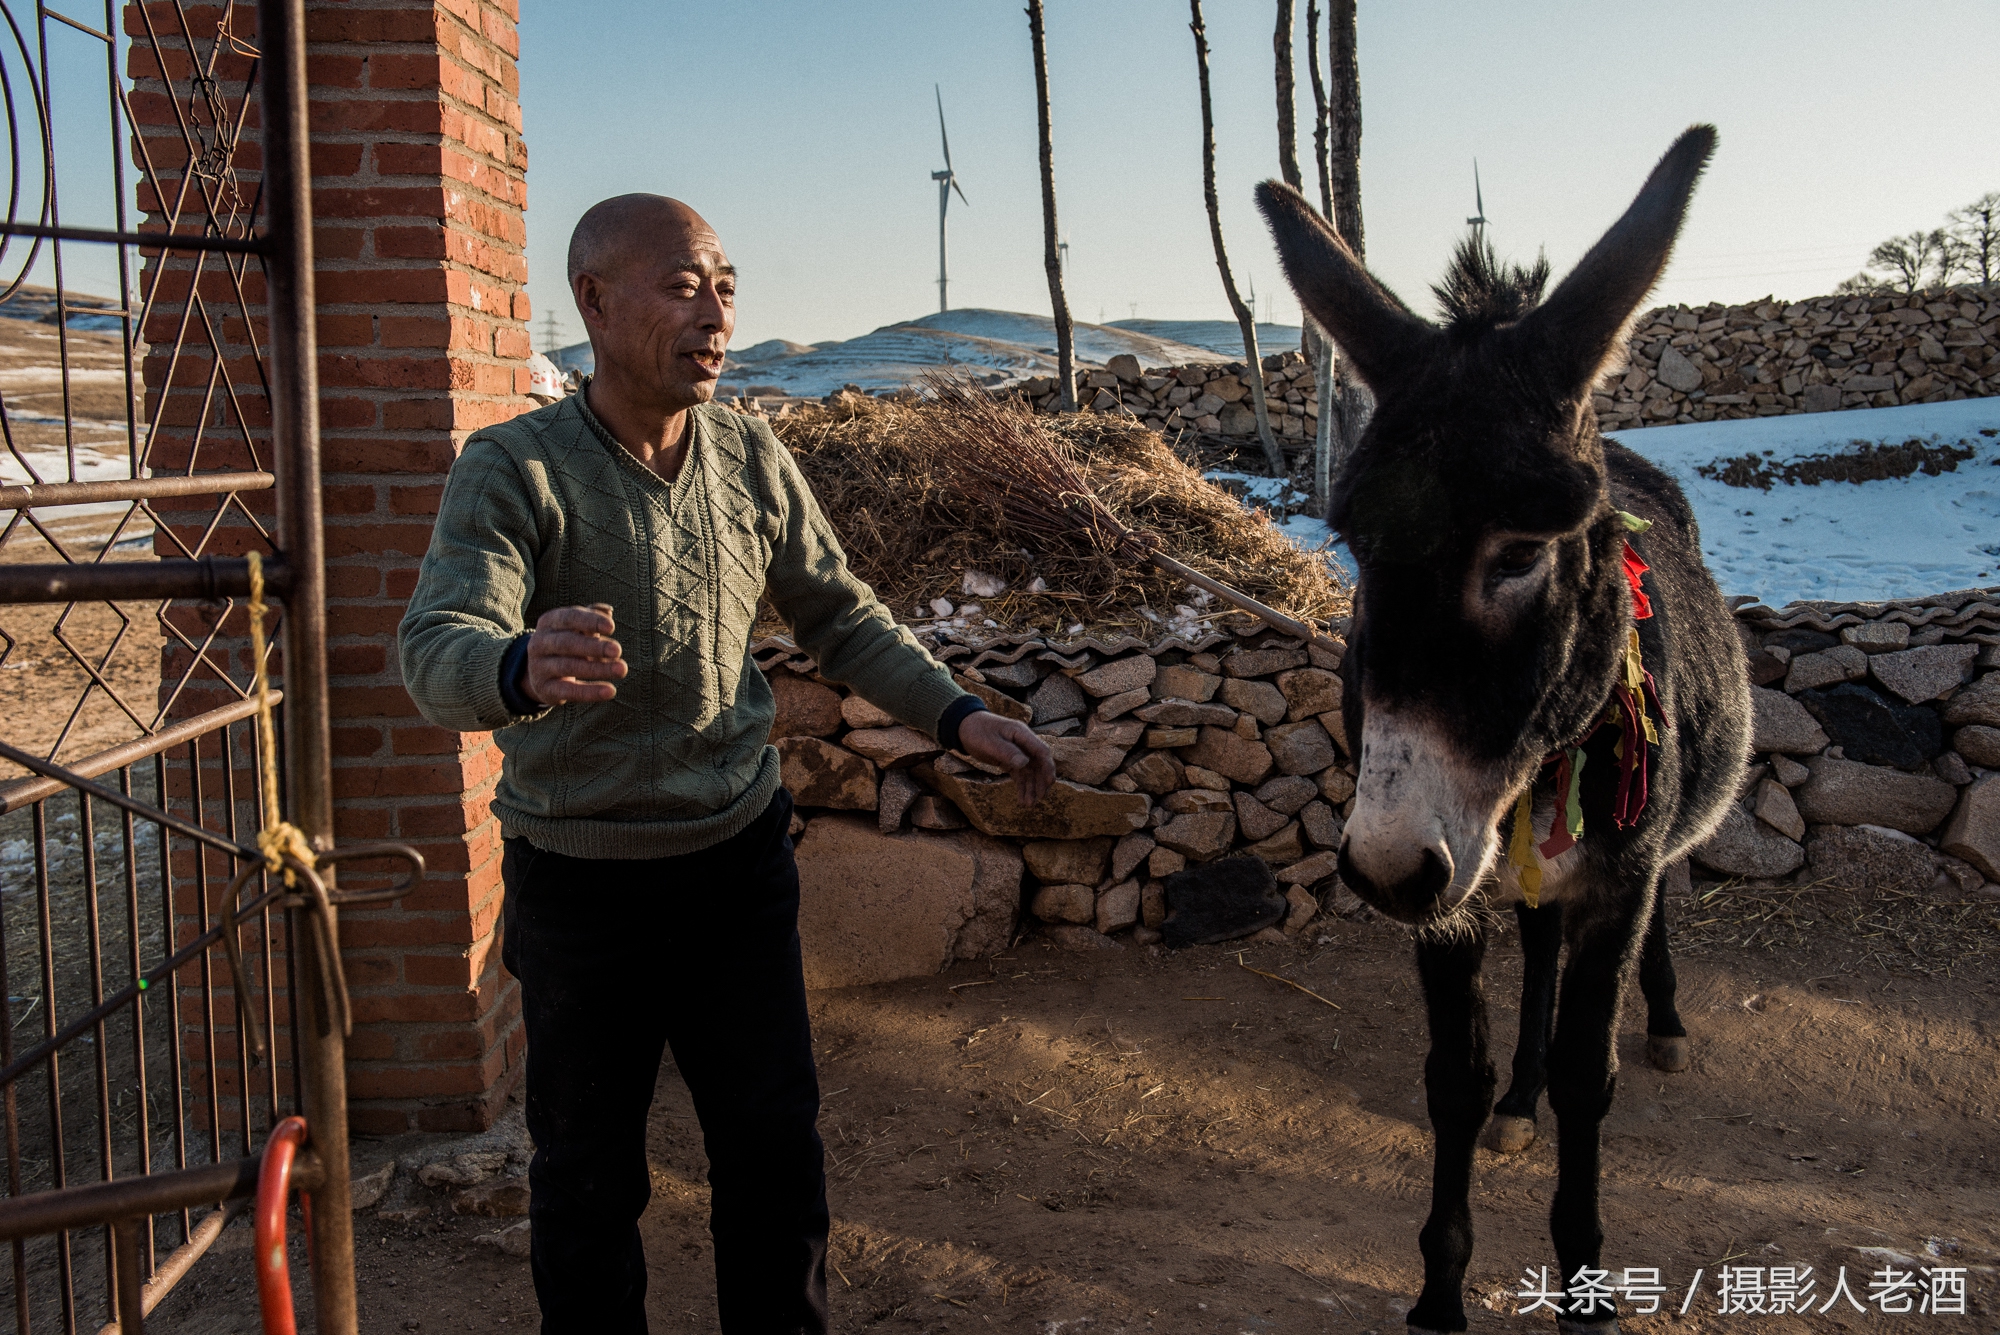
618,959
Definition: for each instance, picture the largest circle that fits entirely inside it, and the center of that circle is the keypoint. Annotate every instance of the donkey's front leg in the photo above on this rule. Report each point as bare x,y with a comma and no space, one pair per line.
1583,1064
1458,1077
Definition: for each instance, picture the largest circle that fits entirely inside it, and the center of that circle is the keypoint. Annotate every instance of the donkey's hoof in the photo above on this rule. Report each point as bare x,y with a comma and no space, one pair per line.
1509,1135
1668,1054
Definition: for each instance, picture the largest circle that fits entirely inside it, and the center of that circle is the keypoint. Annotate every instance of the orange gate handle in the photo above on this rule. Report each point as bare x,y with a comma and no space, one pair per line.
274,1182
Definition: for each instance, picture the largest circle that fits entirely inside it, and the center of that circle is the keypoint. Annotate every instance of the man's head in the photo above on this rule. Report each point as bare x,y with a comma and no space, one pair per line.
657,295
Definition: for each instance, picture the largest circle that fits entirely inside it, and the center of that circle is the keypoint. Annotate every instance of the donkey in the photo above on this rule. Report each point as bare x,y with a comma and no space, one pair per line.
1536,647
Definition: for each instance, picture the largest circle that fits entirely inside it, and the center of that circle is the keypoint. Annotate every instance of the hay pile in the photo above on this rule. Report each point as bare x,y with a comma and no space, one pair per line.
900,483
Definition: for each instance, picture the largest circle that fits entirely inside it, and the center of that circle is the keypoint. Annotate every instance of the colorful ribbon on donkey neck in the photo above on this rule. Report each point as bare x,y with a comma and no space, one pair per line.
1625,712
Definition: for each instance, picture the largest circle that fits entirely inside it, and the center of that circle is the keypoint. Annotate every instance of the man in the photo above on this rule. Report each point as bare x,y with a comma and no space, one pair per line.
651,896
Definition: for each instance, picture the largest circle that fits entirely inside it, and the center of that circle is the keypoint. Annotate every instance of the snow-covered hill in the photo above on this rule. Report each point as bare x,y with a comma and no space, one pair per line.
1221,337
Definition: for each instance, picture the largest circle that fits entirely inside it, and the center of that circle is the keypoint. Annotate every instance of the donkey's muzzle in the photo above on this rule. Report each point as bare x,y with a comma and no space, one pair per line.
1415,898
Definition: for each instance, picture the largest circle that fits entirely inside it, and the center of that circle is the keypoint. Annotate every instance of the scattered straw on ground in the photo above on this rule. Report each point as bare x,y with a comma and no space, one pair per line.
1939,934
893,477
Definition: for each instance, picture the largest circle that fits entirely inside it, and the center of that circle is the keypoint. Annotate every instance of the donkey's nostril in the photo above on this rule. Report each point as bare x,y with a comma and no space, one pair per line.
1433,876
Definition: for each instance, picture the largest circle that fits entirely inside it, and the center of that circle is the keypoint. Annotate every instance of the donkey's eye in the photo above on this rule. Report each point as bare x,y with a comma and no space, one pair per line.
1517,559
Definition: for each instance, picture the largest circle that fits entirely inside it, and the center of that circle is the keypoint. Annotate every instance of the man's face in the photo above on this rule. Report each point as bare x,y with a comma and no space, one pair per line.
662,313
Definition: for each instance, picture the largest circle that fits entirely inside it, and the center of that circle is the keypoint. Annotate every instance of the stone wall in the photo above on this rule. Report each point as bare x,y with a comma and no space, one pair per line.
1686,364
1877,766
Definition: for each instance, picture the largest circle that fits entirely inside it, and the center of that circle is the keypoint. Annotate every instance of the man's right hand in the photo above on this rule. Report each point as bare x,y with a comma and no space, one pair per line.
572,657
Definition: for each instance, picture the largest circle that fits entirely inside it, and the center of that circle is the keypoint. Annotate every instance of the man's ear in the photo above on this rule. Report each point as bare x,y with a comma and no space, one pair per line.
588,290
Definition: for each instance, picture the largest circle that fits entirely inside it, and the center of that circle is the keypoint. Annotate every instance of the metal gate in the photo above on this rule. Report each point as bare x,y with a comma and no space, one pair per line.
138,985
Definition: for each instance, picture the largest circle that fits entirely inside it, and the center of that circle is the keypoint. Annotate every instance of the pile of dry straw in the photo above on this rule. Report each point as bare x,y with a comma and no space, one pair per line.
923,490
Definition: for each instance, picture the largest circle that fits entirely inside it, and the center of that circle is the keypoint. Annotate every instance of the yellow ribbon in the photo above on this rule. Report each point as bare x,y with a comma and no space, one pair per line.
1521,852
279,837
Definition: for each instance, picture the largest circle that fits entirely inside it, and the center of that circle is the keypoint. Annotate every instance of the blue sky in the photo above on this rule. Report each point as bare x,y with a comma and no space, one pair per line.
806,133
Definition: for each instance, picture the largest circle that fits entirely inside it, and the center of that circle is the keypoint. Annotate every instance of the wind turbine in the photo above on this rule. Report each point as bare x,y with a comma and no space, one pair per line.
1478,221
947,182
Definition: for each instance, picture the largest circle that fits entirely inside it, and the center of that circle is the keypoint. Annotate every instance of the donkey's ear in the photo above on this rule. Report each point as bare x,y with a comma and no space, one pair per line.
1581,320
1376,331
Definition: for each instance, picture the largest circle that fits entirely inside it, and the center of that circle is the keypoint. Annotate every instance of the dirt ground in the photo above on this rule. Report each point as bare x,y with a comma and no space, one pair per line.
1137,1140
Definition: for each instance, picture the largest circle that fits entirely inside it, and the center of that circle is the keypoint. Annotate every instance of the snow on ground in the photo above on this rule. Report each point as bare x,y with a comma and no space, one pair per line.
1836,541
1221,337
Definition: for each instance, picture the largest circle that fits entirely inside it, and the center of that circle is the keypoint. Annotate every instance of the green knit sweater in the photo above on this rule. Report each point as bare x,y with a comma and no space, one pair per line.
548,510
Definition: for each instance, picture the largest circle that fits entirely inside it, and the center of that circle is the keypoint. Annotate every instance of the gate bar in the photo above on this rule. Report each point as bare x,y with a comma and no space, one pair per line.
44,495
17,794
207,578
99,1203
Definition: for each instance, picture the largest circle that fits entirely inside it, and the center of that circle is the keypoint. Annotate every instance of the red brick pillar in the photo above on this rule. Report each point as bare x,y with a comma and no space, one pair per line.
419,183
418,191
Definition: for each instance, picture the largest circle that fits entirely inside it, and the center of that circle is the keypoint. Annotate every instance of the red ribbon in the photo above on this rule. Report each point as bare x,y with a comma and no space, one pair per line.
1642,606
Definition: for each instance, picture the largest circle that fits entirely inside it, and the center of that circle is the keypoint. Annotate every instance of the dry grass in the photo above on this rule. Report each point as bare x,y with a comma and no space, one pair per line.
1940,934
918,493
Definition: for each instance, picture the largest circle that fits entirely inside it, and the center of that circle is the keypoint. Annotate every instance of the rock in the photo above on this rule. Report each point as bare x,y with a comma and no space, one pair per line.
1155,772
1269,936
1133,672
366,1190
1845,792
1153,903
1262,662
859,713
1057,697
1259,699
1070,811
876,907
1020,674
996,895
1236,419
1256,820
931,812
1821,398
1115,706
998,701
1924,674
1185,713
982,585
1777,810
1978,744
1221,902
1309,691
1769,665
1200,835
820,774
1974,831
1868,728
1118,907
1197,777
1079,939
1281,849
1828,667
1311,871
1780,723
1121,783
1167,739
1962,875
516,1240
1303,908
462,1170
1089,760
1866,857
1287,794
1164,862
1228,388
1197,799
1125,366
1977,703
1335,724
1336,785
1788,771
1129,852
895,793
891,748
1326,652
1123,733
1321,824
500,1198
1799,640
804,708
1062,727
1877,637
1230,756
1951,767
1677,372
1182,682
1301,748
1743,847
1064,903
1053,861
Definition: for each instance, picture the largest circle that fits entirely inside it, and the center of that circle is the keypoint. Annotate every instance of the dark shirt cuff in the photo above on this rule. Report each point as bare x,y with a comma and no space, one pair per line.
954,714
513,672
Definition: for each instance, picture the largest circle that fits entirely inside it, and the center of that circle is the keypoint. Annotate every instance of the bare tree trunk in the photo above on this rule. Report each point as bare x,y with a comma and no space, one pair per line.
1347,396
1051,256
1317,347
1288,126
1274,457
1320,108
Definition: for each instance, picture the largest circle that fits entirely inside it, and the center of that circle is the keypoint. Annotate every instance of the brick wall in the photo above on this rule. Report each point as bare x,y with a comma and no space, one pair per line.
419,186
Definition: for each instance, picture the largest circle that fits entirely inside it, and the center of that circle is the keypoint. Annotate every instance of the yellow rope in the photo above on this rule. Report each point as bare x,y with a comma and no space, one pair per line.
279,837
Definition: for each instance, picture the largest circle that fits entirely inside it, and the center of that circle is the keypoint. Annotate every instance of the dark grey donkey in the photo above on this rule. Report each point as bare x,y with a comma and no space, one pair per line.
1507,555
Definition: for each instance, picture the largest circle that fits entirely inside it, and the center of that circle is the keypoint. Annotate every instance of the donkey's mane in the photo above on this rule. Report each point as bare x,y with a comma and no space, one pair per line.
1479,291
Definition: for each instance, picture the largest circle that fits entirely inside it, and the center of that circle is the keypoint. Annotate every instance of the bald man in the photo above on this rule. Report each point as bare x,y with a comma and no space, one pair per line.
588,597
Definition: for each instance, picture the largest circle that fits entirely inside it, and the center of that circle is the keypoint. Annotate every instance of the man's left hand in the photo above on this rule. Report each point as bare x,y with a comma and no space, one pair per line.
1012,745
